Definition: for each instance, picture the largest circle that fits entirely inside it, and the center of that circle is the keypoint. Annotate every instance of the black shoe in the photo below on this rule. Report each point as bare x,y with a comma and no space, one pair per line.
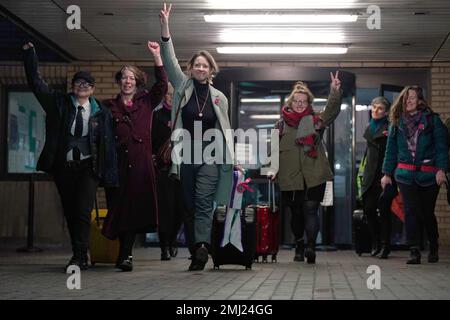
385,251
165,254
310,255
126,265
173,250
414,256
300,251
433,255
200,259
376,249
81,261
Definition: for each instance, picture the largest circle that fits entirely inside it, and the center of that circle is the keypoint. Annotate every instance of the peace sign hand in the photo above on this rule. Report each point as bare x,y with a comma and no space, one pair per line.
164,14
335,82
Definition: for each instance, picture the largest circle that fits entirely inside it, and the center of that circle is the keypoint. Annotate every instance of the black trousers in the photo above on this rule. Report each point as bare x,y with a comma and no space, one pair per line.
419,203
170,208
379,227
77,188
304,205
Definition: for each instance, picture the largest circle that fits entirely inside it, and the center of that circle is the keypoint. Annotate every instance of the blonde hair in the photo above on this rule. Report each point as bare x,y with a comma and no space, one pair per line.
213,68
399,106
300,87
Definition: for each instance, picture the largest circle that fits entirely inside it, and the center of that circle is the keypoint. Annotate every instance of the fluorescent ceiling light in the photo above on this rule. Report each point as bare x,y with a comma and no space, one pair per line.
279,4
281,36
265,116
280,18
318,100
259,100
281,50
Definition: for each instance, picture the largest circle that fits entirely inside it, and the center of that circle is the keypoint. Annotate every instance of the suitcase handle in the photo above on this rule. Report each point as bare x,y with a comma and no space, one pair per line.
272,205
97,216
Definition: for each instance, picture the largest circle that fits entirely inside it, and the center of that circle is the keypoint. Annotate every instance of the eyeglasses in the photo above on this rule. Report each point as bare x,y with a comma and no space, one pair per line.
83,84
300,102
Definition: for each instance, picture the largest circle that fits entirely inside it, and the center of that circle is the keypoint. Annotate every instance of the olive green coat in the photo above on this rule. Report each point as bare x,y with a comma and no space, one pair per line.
295,167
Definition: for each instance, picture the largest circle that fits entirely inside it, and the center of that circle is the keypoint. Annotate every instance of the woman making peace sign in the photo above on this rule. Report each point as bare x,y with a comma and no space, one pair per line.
304,168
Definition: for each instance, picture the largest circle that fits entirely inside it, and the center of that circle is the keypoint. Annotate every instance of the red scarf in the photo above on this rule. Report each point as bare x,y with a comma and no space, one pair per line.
293,119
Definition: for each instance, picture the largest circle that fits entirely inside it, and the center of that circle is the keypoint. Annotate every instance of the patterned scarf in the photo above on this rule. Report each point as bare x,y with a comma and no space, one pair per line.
412,129
307,124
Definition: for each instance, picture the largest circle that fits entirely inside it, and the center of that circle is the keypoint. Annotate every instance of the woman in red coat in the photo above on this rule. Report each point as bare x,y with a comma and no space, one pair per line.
133,206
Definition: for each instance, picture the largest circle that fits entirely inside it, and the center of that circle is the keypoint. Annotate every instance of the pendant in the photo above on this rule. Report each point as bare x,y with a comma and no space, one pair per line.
200,114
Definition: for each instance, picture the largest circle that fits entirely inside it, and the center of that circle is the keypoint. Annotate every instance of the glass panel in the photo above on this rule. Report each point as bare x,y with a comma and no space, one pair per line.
343,169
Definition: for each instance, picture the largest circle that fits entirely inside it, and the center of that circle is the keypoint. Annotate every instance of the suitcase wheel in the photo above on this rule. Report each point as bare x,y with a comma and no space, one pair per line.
264,259
274,258
256,260
248,267
216,267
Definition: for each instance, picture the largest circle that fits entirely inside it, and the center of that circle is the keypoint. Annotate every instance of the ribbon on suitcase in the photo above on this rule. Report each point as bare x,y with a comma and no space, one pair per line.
233,228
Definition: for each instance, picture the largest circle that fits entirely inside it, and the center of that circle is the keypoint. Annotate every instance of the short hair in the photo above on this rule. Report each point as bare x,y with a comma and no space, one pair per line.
214,69
300,87
383,101
140,76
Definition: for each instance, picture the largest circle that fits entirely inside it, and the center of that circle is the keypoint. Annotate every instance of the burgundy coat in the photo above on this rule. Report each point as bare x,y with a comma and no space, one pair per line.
134,207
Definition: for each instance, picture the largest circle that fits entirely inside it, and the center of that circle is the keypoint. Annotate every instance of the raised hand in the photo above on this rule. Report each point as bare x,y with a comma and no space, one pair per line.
27,46
335,82
164,15
154,48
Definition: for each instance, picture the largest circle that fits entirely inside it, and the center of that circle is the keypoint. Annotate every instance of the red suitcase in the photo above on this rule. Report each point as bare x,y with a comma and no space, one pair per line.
267,228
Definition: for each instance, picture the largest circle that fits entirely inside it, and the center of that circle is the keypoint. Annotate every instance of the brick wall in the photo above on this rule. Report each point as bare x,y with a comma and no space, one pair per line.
104,71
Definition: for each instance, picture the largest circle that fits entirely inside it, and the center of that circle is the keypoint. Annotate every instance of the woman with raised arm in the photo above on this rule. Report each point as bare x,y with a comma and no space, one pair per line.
196,102
133,206
303,166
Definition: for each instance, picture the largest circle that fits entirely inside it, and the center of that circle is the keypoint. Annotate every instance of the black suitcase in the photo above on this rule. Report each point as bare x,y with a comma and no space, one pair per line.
229,254
361,233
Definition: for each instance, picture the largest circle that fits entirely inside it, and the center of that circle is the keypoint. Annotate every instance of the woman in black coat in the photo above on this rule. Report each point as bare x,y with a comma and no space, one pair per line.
170,197
376,137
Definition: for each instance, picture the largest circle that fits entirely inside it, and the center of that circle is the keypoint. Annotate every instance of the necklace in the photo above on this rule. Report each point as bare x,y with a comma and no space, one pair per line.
200,111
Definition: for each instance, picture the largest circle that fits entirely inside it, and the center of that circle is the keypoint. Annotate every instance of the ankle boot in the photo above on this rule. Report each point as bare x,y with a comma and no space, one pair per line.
300,251
385,251
310,253
165,254
376,248
414,256
126,265
433,255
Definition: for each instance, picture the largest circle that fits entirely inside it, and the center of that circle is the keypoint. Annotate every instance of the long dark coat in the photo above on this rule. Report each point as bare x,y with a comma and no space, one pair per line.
134,204
376,147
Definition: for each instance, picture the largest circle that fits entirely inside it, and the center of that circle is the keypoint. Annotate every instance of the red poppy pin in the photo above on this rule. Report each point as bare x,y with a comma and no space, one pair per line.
421,126
216,101
386,133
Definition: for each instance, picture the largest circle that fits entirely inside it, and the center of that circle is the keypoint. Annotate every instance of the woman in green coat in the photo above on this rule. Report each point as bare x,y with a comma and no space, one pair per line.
304,168
416,157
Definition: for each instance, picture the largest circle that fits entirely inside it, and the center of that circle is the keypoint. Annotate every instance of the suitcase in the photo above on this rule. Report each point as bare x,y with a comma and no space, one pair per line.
101,249
361,233
229,254
267,228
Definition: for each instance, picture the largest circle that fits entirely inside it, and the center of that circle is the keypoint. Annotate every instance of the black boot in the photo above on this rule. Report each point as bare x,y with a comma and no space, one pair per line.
200,257
173,248
79,259
165,254
376,248
126,265
310,253
433,255
414,256
385,251
300,251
